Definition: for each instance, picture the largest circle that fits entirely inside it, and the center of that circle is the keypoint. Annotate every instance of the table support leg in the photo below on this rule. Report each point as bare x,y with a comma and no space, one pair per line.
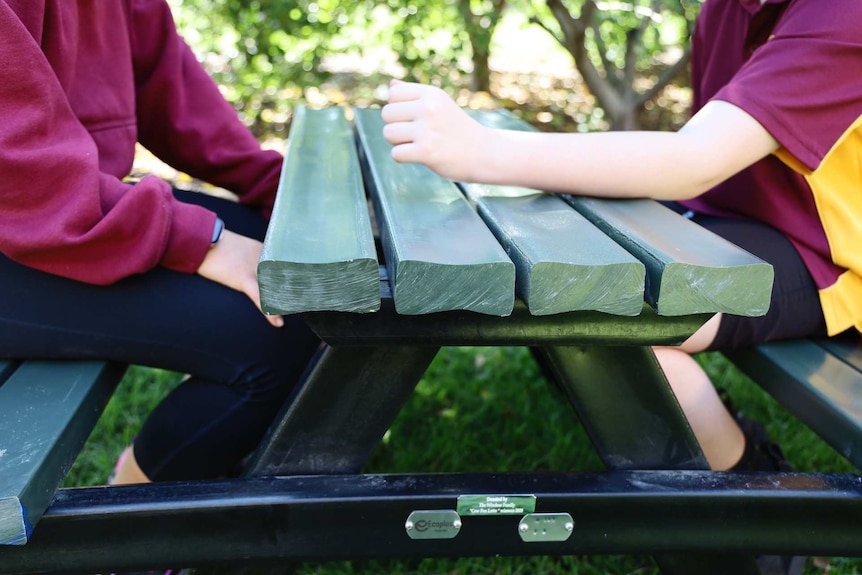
625,403
338,416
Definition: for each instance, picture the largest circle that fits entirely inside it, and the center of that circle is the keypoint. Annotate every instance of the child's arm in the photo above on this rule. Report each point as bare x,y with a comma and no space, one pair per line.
427,127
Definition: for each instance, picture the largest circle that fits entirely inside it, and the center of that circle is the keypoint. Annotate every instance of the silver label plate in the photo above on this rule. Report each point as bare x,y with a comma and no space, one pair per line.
537,527
433,524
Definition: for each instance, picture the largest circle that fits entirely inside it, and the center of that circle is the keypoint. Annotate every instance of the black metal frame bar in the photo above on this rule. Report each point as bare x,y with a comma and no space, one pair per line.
331,517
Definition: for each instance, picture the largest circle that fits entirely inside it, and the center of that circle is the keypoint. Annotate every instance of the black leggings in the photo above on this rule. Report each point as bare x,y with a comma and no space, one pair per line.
241,368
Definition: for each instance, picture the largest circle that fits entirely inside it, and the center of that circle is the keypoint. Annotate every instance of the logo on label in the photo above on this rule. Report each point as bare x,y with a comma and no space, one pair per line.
424,525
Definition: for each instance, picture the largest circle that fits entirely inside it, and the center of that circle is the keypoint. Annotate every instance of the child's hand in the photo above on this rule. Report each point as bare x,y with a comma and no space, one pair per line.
232,262
426,126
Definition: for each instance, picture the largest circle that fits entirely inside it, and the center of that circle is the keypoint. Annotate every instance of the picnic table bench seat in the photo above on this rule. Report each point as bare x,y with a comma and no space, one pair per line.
47,411
817,380
589,285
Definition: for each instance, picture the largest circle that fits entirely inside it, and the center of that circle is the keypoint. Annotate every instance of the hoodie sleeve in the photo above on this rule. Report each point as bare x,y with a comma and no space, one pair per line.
184,119
58,211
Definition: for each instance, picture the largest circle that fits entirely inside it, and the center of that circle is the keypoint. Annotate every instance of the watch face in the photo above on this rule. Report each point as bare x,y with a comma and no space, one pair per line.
217,230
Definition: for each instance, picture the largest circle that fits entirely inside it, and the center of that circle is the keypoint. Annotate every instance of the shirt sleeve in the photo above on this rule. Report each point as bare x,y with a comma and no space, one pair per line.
184,119
58,211
803,84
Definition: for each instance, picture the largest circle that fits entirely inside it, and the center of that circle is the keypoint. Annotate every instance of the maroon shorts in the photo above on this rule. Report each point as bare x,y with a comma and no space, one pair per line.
795,309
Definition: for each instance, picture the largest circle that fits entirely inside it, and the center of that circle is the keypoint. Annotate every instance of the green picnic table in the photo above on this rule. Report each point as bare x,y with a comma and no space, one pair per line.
388,263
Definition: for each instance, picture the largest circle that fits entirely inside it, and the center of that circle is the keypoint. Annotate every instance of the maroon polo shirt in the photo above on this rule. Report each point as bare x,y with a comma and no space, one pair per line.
793,65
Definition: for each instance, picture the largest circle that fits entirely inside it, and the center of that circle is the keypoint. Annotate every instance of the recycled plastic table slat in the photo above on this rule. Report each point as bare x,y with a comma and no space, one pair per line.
439,254
564,263
689,269
319,250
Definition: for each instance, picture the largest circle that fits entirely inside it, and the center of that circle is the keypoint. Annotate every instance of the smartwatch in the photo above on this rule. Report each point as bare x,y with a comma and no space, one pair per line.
218,228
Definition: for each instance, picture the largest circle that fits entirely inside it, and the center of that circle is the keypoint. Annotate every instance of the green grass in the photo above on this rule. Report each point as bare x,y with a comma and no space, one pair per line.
482,409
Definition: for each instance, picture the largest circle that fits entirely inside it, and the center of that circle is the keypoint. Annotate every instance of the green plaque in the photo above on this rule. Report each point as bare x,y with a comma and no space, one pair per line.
496,504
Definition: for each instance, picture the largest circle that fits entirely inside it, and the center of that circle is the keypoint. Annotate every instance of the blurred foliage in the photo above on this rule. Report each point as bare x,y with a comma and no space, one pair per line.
480,18
438,41
263,52
270,55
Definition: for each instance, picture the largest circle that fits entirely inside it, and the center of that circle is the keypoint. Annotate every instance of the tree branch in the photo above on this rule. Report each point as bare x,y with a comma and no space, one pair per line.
535,20
612,73
574,31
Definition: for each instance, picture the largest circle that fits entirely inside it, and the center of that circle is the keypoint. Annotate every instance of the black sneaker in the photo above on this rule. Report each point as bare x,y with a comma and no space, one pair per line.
761,453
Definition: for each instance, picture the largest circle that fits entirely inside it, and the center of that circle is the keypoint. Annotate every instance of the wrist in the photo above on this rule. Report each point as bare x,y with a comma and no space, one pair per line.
488,166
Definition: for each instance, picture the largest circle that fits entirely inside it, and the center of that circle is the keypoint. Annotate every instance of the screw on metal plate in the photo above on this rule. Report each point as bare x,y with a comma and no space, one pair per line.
433,524
536,527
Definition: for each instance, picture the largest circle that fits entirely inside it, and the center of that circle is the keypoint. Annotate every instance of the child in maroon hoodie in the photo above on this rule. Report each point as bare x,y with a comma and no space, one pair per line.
97,267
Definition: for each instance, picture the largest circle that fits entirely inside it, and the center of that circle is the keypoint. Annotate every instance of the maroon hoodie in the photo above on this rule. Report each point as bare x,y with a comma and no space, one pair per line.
80,82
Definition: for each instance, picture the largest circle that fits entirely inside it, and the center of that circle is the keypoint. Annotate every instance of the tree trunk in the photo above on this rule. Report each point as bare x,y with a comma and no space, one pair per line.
481,79
614,90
